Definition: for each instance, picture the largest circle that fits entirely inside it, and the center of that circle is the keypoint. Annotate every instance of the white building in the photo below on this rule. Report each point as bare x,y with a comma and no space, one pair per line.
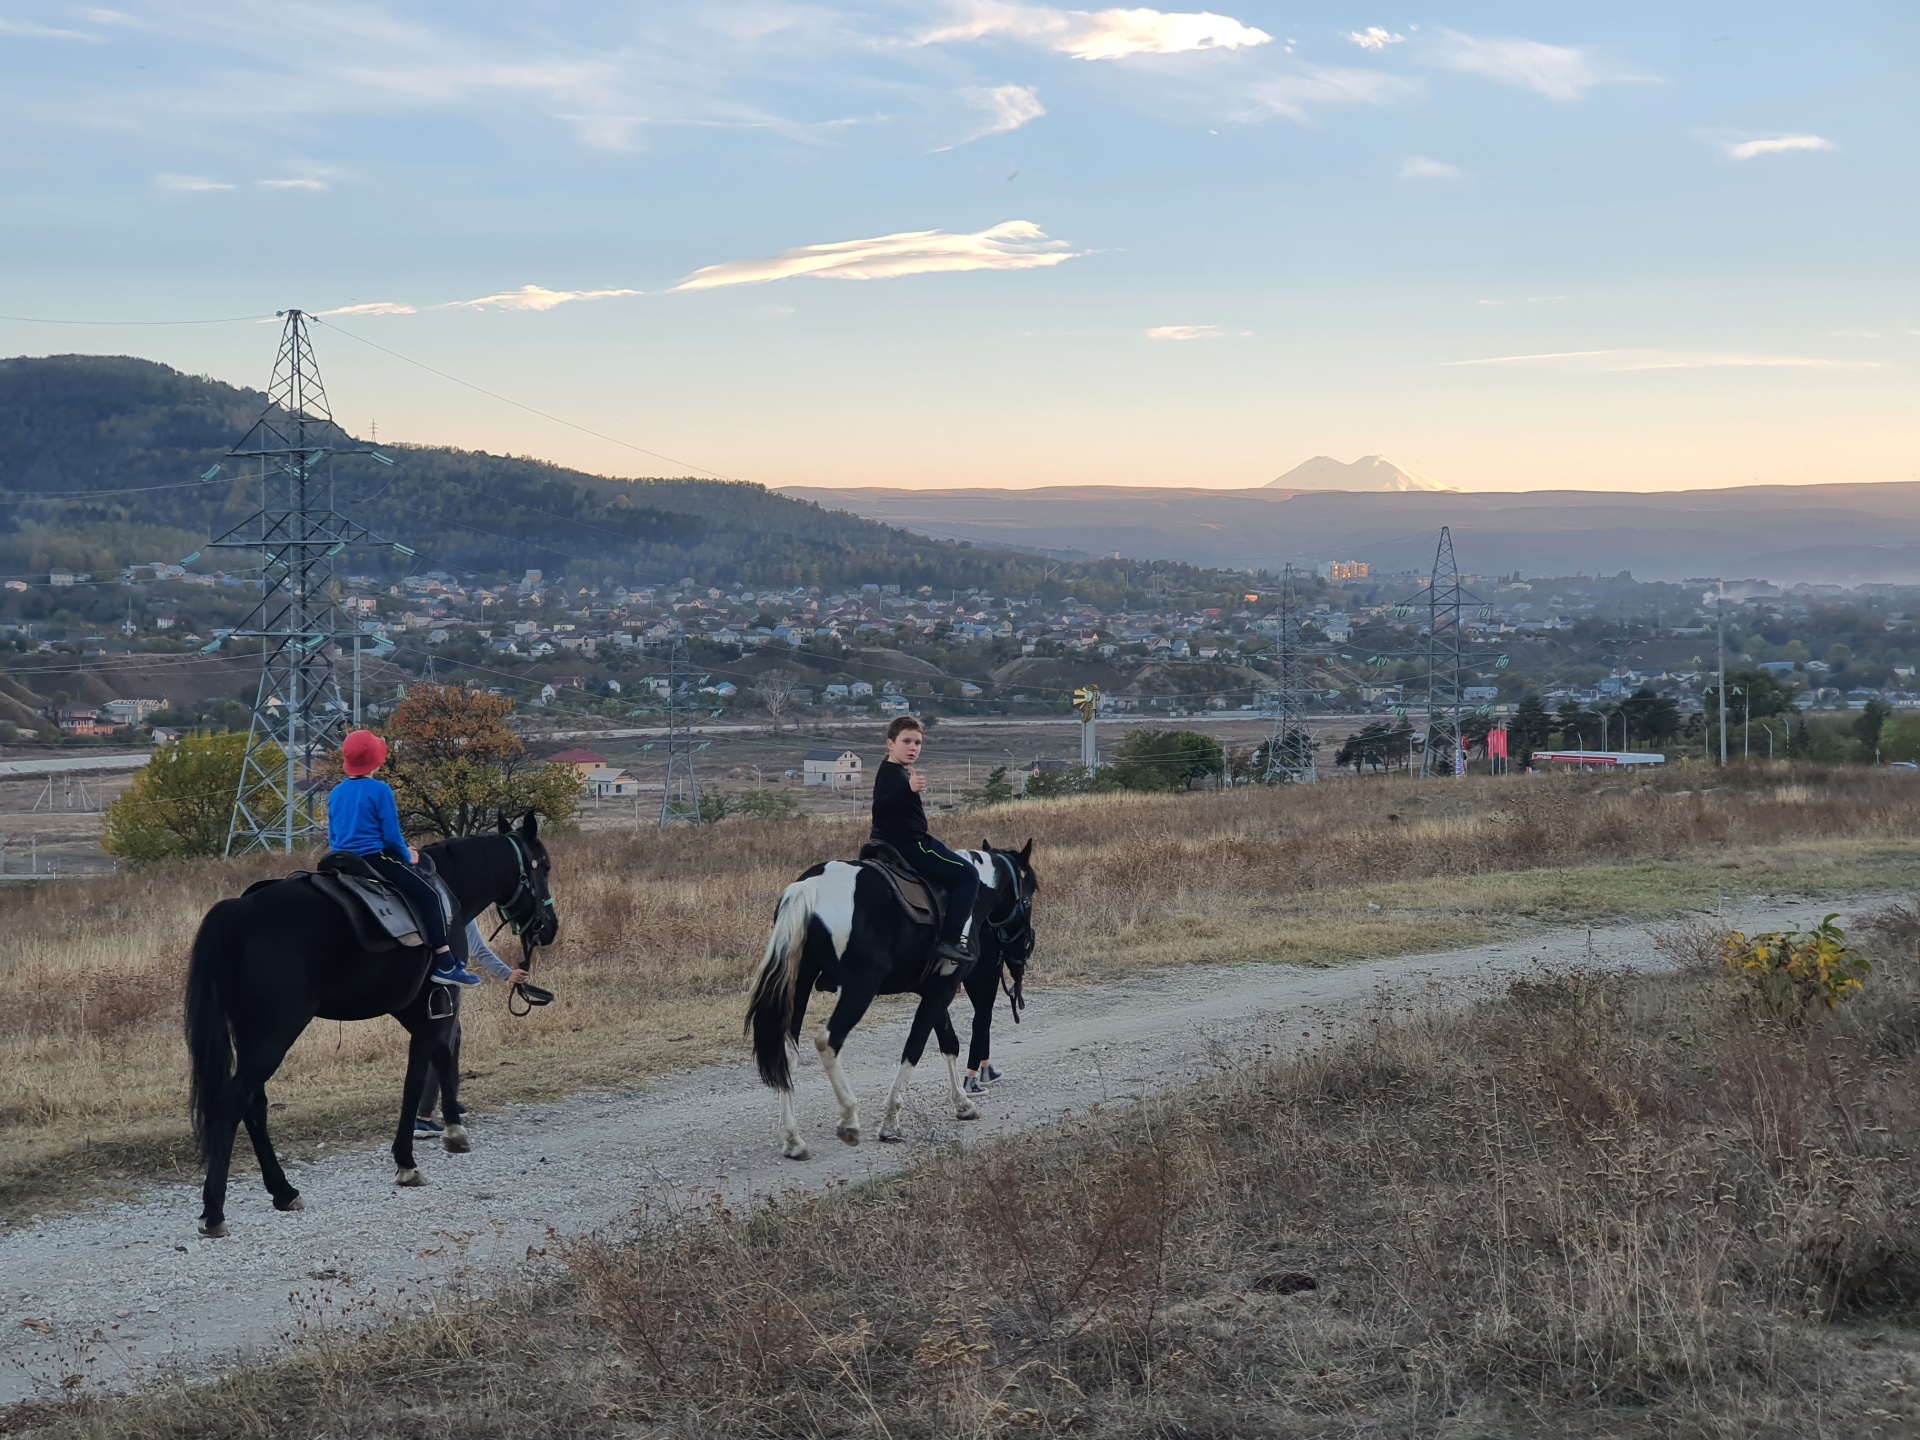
835,769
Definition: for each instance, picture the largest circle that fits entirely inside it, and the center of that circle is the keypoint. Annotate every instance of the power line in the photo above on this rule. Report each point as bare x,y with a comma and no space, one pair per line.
530,409
219,320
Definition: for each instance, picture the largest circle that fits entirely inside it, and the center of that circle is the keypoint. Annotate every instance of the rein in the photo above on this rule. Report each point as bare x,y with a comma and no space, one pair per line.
1018,920
522,925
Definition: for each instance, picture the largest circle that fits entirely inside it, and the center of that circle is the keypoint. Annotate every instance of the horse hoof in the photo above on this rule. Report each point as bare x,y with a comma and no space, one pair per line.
850,1134
795,1148
456,1140
409,1178
292,1202
215,1231
966,1111
892,1137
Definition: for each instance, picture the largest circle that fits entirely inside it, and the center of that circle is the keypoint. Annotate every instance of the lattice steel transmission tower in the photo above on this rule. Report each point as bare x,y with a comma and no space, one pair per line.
1290,749
680,796
299,717
1444,752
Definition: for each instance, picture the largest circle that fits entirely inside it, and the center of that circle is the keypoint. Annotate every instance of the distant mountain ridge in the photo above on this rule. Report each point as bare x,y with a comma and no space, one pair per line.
1370,473
1837,534
117,445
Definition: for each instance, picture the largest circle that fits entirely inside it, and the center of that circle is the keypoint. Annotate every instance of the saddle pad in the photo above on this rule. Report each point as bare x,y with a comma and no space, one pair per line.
916,897
392,922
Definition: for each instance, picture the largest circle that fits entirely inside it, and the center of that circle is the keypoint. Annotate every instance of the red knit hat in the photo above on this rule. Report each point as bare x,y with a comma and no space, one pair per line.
363,753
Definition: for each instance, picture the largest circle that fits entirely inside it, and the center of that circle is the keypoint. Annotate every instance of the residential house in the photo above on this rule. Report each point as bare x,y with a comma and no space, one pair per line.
834,768
607,782
584,762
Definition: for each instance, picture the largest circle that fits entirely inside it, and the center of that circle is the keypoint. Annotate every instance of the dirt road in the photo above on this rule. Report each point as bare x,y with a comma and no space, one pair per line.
121,1295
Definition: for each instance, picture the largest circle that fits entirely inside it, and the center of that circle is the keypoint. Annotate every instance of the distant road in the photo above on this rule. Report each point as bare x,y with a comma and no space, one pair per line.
946,722
62,765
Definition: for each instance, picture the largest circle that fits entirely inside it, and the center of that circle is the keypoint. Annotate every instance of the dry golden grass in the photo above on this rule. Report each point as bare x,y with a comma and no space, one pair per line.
1604,1205
660,931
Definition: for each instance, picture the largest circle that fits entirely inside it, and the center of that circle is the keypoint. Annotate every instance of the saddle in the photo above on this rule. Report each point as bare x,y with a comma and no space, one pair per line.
382,918
924,904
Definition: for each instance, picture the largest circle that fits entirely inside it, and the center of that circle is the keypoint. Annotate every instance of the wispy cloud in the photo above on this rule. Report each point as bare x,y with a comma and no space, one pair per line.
1374,38
298,184
1559,72
27,29
189,184
1098,35
1186,332
1004,108
1420,167
1012,245
1775,145
1625,360
1297,95
533,297
373,307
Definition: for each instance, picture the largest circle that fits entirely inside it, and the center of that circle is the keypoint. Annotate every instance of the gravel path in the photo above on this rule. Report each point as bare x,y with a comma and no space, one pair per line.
123,1295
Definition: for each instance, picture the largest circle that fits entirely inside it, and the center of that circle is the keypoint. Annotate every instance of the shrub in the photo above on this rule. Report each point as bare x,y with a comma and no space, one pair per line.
996,790
768,805
456,765
179,806
1784,975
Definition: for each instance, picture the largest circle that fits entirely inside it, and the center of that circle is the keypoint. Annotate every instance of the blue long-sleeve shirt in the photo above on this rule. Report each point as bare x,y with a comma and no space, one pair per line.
362,818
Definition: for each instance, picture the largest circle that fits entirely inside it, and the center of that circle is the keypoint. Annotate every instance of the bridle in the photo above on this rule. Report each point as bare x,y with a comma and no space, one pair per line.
1014,934
530,916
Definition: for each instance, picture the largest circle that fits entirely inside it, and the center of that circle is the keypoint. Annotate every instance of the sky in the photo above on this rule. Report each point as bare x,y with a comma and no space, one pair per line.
992,243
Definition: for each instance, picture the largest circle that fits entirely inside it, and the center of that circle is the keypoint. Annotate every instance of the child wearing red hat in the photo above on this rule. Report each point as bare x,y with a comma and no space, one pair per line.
363,820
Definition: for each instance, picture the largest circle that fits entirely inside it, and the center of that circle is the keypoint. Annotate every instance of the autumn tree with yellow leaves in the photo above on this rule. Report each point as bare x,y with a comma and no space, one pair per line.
456,765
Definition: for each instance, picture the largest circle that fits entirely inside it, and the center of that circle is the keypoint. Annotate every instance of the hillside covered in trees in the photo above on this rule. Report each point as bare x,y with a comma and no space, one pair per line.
116,446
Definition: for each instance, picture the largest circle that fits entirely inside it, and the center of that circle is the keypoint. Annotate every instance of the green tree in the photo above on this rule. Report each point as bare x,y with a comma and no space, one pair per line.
1755,694
715,806
1871,721
179,805
1529,730
768,805
996,790
1165,759
455,765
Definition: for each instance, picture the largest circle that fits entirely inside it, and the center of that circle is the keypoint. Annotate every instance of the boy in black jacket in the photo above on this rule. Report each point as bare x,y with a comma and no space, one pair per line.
900,820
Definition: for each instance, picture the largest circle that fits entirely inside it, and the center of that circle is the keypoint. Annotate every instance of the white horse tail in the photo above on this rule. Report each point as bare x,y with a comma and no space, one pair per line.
770,1011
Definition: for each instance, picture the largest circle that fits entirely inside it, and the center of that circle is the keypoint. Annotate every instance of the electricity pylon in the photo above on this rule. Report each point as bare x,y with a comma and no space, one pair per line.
1444,660
680,796
299,717
1290,751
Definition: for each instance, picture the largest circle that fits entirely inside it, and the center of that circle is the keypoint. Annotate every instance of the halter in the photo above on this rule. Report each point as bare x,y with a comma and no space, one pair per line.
527,902
1017,922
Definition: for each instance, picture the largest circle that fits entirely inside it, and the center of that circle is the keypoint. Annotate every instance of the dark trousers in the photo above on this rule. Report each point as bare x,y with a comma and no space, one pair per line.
420,894
450,1032
952,873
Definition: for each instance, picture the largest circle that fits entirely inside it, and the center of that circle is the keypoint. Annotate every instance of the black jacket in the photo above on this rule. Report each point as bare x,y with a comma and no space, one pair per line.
898,816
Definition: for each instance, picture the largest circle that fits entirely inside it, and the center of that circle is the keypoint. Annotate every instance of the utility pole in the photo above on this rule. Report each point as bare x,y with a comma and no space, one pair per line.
1720,617
299,717
680,795
1290,757
1443,663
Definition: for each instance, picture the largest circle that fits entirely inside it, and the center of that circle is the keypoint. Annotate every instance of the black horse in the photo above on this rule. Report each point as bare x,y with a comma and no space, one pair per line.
282,955
839,927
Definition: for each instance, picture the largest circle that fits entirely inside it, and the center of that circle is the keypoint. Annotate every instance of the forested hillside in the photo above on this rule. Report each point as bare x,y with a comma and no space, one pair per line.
117,445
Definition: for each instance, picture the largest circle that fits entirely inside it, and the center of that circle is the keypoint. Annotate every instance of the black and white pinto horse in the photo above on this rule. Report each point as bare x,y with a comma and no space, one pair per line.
840,928
282,955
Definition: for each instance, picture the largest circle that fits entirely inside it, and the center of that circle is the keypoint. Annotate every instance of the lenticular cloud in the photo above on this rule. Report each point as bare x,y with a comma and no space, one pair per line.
1012,245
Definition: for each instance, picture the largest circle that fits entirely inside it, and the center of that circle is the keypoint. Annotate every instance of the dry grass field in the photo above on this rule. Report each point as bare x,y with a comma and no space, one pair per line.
660,931
1600,1206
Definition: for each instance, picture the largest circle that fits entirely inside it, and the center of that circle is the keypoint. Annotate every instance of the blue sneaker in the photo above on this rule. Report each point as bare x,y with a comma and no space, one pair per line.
451,972
427,1129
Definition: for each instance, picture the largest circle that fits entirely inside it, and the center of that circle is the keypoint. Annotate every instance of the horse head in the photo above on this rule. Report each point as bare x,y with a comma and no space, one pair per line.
529,909
1012,924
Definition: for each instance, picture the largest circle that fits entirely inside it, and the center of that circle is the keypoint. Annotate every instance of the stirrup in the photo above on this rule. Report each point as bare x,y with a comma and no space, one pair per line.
441,1002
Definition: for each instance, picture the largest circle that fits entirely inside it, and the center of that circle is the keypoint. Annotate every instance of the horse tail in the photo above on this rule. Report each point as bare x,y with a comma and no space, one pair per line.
770,1011
209,1038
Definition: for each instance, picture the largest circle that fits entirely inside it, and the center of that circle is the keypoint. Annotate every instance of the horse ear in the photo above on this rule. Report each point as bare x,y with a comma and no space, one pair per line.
506,825
530,824
1026,852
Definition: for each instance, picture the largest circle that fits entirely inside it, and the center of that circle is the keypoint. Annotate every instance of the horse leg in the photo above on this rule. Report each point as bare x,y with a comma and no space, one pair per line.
828,1040
791,1145
256,1061
446,1066
963,1106
420,1052
285,1197
980,1040
916,1046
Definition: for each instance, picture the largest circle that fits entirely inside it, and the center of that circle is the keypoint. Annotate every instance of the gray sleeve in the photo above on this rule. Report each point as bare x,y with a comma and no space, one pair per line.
478,949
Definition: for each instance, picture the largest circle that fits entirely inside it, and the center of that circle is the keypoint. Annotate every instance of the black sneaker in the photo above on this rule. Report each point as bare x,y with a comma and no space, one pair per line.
425,1129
